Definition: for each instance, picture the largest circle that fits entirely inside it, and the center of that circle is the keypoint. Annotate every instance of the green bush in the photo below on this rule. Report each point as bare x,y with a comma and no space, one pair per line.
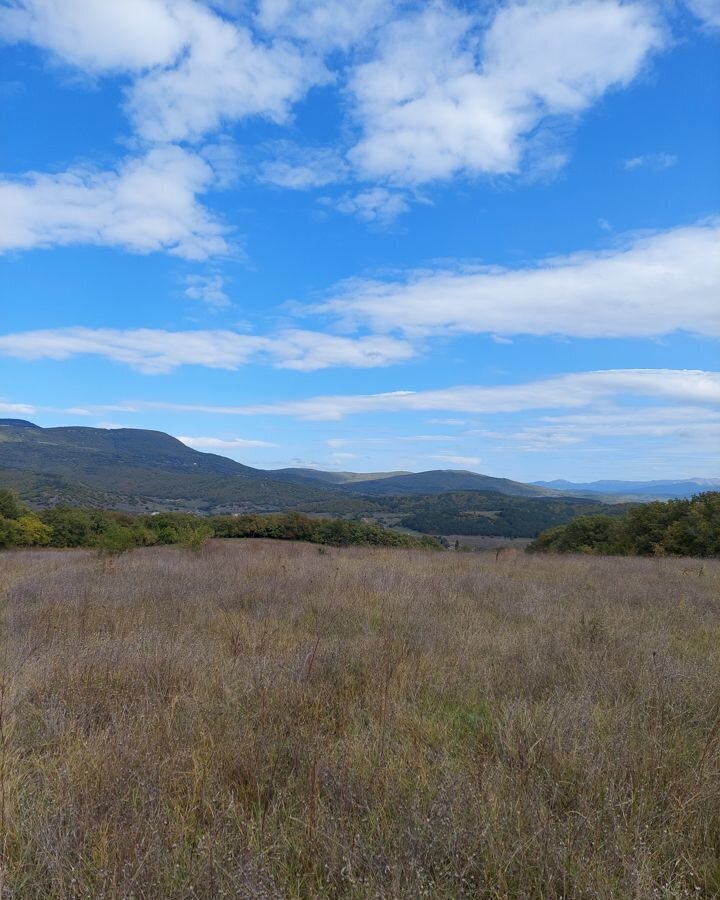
113,533
676,528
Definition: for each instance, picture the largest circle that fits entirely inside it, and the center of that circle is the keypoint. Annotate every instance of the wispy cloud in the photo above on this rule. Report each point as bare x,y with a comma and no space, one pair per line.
16,409
457,460
653,161
698,427
301,168
154,351
570,391
708,11
226,444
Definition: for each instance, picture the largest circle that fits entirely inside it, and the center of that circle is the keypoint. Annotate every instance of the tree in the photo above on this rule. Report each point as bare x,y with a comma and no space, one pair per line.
10,505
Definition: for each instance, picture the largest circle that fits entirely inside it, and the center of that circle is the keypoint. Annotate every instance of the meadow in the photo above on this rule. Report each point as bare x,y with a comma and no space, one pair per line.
259,719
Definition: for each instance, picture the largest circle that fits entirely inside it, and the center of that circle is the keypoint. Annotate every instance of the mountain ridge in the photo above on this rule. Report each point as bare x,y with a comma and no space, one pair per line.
660,489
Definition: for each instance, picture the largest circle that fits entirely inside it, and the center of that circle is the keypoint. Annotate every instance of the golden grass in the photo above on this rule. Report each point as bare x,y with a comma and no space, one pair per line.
265,720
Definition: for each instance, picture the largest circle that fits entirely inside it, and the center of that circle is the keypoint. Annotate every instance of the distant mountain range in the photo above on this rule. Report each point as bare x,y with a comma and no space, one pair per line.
647,490
142,470
134,469
437,481
151,468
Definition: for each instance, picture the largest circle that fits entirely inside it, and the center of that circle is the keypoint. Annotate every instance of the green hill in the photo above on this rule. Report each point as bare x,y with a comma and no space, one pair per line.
149,471
338,478
443,481
134,468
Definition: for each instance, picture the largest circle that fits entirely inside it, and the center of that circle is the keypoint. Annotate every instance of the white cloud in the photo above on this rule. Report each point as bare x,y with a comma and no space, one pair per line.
209,289
439,99
570,391
225,75
323,23
373,205
694,425
654,285
146,204
708,11
654,161
101,35
154,351
301,168
229,444
308,350
16,409
193,69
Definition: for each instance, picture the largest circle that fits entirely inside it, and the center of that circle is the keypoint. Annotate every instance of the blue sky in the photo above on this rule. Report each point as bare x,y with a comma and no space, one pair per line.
378,236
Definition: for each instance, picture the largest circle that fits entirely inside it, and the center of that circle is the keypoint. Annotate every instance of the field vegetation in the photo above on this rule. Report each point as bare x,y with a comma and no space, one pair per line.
264,719
114,532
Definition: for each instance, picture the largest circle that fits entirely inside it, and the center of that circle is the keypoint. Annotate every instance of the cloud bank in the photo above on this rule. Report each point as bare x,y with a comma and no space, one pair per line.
650,286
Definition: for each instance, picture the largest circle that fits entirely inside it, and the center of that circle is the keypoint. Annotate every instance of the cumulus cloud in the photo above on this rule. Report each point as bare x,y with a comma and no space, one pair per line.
373,205
209,289
148,203
154,351
442,98
193,69
323,23
100,36
651,286
225,75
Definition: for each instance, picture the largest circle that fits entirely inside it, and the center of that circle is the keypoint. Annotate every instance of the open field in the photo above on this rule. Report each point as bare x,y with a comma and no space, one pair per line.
277,720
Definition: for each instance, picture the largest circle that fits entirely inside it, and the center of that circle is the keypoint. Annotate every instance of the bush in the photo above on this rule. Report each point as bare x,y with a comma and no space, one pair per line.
113,533
676,528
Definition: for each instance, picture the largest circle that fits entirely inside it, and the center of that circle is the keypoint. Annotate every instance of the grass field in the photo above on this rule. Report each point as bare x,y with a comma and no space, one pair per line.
264,720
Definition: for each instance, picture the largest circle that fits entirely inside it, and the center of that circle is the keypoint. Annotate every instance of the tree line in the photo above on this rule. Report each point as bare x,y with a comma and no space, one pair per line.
673,528
115,532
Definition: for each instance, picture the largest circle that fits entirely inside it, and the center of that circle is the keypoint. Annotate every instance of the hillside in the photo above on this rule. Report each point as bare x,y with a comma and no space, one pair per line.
134,468
337,478
442,481
149,471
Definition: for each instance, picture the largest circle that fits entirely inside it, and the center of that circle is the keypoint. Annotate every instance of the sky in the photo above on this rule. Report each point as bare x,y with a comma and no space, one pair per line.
368,236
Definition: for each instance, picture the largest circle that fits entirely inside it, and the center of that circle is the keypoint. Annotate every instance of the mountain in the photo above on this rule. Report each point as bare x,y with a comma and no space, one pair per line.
135,468
438,481
339,478
17,423
140,470
646,490
442,481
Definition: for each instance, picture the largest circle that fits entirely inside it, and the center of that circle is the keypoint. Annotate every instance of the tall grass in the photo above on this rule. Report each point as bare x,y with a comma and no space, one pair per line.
264,720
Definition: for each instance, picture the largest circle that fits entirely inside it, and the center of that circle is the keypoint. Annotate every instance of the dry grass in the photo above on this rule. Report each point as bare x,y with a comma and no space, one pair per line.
268,720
